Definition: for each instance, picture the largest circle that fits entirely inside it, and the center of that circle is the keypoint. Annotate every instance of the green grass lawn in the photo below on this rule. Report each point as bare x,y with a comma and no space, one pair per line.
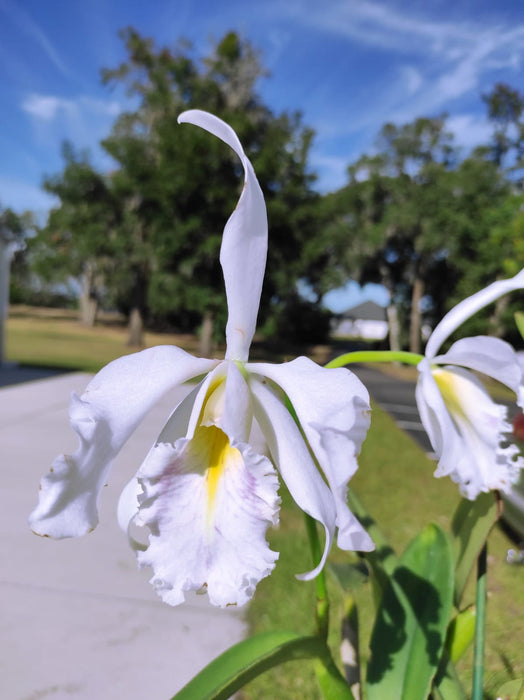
394,482
58,340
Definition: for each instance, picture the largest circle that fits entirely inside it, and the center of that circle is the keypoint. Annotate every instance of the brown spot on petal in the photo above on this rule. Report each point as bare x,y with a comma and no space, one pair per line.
38,534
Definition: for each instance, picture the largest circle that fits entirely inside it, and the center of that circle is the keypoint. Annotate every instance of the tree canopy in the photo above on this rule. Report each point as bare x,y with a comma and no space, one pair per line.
149,232
416,216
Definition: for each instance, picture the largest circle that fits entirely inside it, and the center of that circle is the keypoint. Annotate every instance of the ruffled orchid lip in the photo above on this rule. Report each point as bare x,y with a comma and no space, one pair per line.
207,502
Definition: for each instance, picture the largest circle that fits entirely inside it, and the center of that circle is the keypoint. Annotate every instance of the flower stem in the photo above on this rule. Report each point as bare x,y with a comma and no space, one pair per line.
322,610
480,625
408,358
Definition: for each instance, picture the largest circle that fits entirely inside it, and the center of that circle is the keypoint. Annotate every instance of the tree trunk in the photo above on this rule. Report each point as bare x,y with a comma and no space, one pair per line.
394,330
88,300
88,310
495,322
138,306
206,335
391,311
5,261
415,320
136,329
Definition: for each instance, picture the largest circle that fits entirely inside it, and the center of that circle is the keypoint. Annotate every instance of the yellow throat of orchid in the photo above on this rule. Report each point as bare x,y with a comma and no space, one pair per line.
450,388
216,456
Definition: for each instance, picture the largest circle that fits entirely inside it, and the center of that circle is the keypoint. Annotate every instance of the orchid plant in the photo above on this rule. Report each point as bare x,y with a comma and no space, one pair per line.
207,491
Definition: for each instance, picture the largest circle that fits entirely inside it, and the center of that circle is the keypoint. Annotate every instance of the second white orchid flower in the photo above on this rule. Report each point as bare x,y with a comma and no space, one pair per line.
204,491
466,427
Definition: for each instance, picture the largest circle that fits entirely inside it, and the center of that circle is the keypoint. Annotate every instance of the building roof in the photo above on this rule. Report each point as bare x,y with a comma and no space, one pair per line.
368,311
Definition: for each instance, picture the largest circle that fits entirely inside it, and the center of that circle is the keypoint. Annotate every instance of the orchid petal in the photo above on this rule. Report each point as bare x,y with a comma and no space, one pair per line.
127,510
332,407
208,503
113,404
466,308
177,425
291,456
490,356
244,244
128,503
436,419
471,448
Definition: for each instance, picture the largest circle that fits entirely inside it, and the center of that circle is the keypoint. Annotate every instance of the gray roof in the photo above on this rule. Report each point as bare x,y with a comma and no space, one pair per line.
368,311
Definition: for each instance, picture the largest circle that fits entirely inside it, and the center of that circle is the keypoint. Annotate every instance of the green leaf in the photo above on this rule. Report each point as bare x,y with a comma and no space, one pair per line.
331,682
461,631
251,657
519,320
470,528
447,684
349,576
409,632
512,690
384,554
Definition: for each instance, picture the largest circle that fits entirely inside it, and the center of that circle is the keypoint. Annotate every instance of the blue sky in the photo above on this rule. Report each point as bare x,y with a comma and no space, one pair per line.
348,65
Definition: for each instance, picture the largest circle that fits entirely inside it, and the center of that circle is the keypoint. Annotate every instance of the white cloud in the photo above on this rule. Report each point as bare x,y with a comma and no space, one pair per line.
469,130
84,121
49,107
412,79
26,24
44,106
385,27
447,60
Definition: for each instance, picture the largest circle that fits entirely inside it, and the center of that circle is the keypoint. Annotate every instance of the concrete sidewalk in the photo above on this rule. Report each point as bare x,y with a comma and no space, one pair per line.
78,619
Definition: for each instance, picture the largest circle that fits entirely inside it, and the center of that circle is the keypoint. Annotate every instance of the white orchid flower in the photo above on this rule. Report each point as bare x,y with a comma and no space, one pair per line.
465,426
206,493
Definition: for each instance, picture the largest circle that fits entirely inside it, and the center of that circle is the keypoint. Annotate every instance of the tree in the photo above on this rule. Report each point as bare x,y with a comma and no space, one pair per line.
180,186
395,215
421,223
13,229
505,107
498,244
149,232
79,238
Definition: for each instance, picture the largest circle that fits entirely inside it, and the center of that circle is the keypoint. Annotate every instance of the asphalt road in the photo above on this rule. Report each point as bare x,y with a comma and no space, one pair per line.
397,397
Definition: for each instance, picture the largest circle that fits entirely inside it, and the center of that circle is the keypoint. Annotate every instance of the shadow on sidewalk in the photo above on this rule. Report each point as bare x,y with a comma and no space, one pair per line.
12,373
